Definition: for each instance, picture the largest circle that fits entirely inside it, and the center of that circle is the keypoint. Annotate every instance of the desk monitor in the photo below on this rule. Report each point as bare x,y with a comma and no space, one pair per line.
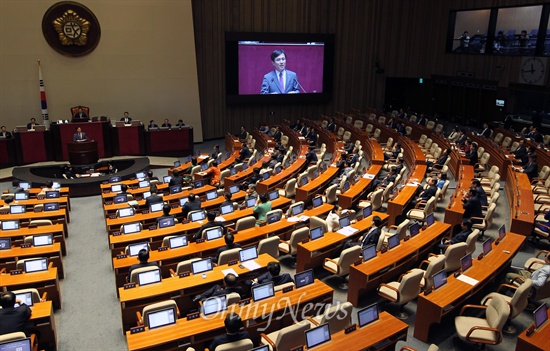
369,252
143,183
114,179
116,188
140,175
134,249
278,169
198,183
161,318
226,209
393,241
234,189
430,219
177,164
156,207
146,195
487,247
287,163
315,174
273,195
189,158
344,221
317,336
263,291
183,201
36,265
166,179
204,167
304,180
56,185
175,189
273,217
25,185
501,232
25,297
131,228
52,194
367,211
345,187
297,209
260,348
213,233
126,212
250,253
200,266
266,176
21,196
214,305
323,167
212,195
120,198
53,206
367,315
541,316
465,263
16,209
440,279
233,171
167,222
198,216
149,277
414,229
42,240
317,201
245,165
16,345
5,243
10,225
251,202
316,233
178,241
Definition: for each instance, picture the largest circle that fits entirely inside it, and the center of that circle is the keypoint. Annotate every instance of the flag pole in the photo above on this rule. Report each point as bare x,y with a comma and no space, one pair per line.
43,104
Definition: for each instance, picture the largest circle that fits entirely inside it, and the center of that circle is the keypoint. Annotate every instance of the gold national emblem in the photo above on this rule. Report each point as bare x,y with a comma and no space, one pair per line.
72,29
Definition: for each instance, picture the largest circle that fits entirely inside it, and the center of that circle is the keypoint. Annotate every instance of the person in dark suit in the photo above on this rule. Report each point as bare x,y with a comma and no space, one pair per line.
531,168
143,257
370,238
4,133
211,216
312,137
80,114
331,127
242,134
277,135
150,176
13,319
32,124
215,152
480,193
274,274
280,80
537,136
154,198
311,156
230,286
79,136
126,119
166,124
421,120
472,206
176,178
521,151
297,125
430,191
486,132
441,160
192,205
227,195
460,237
180,123
152,124
233,325
229,244
472,154
244,153
165,213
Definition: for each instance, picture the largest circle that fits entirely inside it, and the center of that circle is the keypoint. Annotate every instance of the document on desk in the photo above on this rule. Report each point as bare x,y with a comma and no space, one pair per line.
415,184
467,280
347,231
251,265
229,271
295,219
369,176
219,219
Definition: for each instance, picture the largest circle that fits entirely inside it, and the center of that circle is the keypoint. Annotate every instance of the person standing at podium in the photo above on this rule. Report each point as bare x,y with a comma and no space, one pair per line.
32,124
79,136
126,119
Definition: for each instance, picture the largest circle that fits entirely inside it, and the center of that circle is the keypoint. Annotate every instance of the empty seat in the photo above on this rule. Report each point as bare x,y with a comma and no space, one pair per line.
403,290
269,246
340,266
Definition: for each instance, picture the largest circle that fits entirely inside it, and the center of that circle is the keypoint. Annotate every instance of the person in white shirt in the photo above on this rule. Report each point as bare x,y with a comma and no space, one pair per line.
539,276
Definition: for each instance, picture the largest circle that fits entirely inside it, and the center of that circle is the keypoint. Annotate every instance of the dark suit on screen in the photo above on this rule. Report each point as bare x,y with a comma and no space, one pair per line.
270,84
80,137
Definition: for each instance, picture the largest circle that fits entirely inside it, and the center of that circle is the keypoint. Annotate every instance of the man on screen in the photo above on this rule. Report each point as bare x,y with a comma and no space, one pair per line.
79,136
280,80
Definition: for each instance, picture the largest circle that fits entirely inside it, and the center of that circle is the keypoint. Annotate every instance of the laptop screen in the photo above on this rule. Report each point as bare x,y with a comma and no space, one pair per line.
369,252
211,195
245,165
214,305
318,335
146,194
316,233
263,291
304,278
260,348
36,265
177,164
143,184
16,209
126,212
414,229
393,241
502,232
297,209
213,233
233,171
344,221
201,266
367,211
273,195
303,181
183,201
116,188
430,219
234,189
317,201
225,209
248,254
198,184
277,169
10,225
440,278
140,175
367,315
42,240
345,187
131,228
134,249
21,196
5,243
197,216
540,315
465,263
166,179
251,202
156,207
175,189
120,198
189,158
53,206
24,185
114,179
167,222
204,166
26,298
149,277
266,175
487,246
18,345
178,241
273,217
161,318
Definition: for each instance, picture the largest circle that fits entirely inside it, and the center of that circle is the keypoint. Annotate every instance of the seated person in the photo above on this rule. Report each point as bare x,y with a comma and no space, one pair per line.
438,164
311,137
152,124
472,206
531,168
396,150
472,154
250,192
460,237
227,195
542,225
229,244
480,193
79,136
154,197
214,173
538,277
166,124
262,207
390,177
333,218
180,123
311,156
211,216
441,179
256,177
426,194
277,135
233,326
242,134
194,162
371,238
124,189
176,178
143,257
150,176
13,319
215,152
80,114
193,204
331,126
69,172
32,124
230,286
274,274
244,154
165,213
521,151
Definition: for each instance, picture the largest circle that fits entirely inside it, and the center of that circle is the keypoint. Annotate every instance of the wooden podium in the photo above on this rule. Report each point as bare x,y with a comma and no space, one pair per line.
82,153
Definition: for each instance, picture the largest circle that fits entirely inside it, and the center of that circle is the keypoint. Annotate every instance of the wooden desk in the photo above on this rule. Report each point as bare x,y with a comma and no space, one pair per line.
30,203
538,341
455,210
46,281
385,266
520,201
263,141
59,232
316,186
232,144
255,317
241,176
43,322
296,167
359,189
405,195
60,214
172,142
9,258
456,293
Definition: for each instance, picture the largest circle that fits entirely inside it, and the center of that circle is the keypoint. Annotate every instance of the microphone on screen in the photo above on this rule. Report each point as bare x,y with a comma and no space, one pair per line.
300,85
272,80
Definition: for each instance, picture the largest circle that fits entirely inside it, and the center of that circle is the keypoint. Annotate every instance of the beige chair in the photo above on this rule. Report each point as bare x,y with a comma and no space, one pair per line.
431,267
369,129
315,222
432,347
19,336
287,338
346,136
400,230
290,189
127,249
183,266
330,194
135,272
34,293
340,133
277,211
382,119
40,222
338,317
471,241
194,170
239,345
487,221
228,255
453,253
517,302
506,142
245,223
534,263
483,162
486,330
422,139
349,119
374,199
430,125
225,173
376,134
142,318
291,246
269,246
402,291
422,209
487,177
358,124
340,266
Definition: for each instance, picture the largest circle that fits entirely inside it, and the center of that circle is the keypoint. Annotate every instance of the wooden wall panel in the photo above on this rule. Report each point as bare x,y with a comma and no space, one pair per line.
407,37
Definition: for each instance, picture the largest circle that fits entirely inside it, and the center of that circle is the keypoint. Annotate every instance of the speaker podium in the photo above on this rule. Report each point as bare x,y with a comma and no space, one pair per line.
83,153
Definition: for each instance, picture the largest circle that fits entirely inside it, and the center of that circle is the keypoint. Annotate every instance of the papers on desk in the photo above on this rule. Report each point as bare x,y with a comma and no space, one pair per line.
219,219
295,219
467,280
303,156
229,271
415,184
251,265
508,156
301,138
96,174
347,231
369,176
133,203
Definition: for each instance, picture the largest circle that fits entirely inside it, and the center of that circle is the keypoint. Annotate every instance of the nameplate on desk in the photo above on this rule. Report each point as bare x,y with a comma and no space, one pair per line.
163,248
298,348
350,329
24,246
244,302
232,262
199,241
152,227
288,288
184,274
407,237
106,191
135,330
121,256
428,291
480,257
117,233
193,315
384,249
16,271
38,210
358,262
144,212
112,216
108,202
129,286
497,241
174,205
306,240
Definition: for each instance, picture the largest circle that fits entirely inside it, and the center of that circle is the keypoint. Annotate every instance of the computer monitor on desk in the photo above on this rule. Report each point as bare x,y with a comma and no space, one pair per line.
149,277
36,265
201,266
19,345
10,225
214,305
367,315
465,263
263,291
487,246
541,316
178,241
134,249
440,279
42,240
316,233
250,253
317,336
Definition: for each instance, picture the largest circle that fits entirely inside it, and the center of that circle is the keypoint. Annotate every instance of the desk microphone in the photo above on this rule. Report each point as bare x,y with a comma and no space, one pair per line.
272,79
300,85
